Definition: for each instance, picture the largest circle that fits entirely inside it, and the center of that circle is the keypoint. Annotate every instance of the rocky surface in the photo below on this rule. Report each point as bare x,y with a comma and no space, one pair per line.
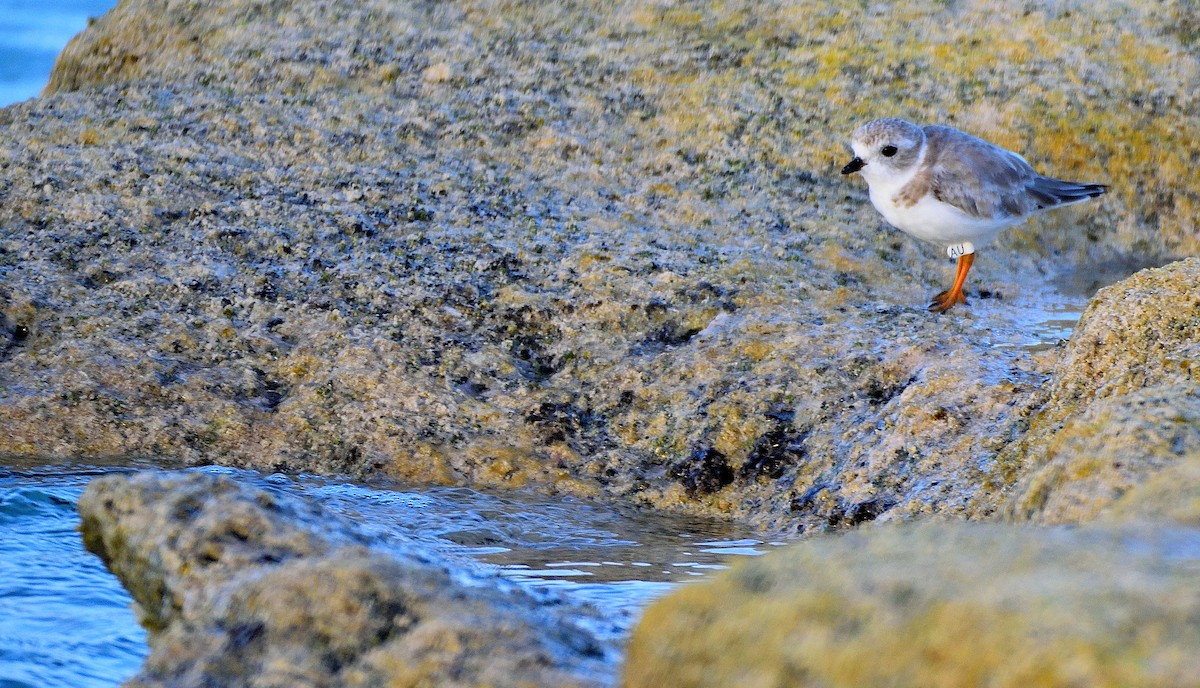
1114,446
590,248
1124,401
952,604
603,249
1171,495
241,586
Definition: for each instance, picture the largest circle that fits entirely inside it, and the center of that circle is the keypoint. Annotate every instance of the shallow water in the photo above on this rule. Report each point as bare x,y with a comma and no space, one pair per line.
615,560
65,621
1045,324
1058,305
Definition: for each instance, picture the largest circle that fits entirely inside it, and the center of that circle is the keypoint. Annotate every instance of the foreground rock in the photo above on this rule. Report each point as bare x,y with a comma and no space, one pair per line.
596,248
240,586
938,605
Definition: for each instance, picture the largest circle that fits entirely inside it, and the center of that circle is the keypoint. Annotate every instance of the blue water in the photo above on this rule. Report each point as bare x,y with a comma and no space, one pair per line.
32,34
585,553
65,621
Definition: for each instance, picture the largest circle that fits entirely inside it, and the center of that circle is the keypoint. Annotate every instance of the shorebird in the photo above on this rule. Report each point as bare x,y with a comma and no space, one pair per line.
947,187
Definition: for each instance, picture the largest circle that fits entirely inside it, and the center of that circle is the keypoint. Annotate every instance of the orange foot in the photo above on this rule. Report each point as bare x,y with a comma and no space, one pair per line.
944,300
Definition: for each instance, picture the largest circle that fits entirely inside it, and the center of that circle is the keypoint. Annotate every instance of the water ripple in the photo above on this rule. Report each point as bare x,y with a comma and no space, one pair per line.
64,619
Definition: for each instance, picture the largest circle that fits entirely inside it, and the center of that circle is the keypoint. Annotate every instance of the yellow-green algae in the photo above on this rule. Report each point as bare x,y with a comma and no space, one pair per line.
1098,90
936,605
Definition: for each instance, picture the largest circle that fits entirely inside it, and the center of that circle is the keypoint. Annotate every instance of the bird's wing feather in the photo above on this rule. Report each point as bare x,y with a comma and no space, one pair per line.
977,177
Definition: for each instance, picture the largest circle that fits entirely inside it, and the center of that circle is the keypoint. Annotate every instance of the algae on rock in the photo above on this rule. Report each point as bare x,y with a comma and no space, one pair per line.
1124,400
602,249
591,248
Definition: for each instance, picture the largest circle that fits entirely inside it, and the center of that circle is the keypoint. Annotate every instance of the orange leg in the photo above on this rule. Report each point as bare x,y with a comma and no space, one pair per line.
943,301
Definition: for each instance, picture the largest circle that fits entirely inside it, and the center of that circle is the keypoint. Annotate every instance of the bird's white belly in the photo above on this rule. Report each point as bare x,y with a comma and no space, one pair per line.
938,222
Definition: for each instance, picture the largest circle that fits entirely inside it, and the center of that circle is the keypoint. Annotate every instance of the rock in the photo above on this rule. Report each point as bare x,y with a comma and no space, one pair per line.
605,251
1171,495
241,586
1107,449
601,251
1135,334
1124,400
937,605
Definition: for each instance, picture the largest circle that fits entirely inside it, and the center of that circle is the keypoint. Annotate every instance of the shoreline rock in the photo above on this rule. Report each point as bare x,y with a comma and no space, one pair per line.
604,251
601,253
242,586
1124,401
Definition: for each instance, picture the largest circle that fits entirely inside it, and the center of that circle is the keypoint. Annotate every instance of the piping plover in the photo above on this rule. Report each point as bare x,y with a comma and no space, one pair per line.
946,186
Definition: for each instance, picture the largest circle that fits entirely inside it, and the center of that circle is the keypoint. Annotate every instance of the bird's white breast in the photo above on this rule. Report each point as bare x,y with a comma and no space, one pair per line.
938,222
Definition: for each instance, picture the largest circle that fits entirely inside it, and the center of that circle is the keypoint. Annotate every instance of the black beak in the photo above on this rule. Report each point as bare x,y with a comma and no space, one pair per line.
854,165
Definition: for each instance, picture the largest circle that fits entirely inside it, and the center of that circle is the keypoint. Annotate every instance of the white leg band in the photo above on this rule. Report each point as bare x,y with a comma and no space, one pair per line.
960,250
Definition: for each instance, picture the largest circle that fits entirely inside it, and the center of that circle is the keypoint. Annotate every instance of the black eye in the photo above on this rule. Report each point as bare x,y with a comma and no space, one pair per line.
888,151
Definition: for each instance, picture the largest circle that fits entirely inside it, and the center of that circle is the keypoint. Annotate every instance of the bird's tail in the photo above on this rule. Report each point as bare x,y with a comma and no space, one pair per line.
1052,192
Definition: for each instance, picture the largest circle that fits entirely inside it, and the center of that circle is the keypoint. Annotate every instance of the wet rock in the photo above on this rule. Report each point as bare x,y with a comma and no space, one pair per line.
1124,401
704,473
242,586
773,454
937,604
380,238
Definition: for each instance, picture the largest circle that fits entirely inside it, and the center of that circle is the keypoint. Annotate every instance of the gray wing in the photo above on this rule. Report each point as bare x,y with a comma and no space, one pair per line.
981,179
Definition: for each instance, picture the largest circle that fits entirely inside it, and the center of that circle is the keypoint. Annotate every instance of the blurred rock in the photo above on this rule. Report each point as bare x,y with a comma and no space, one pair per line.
240,586
937,605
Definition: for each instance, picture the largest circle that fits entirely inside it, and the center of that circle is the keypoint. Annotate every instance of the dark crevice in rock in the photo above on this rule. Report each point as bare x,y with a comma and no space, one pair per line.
778,450
706,471
559,422
859,513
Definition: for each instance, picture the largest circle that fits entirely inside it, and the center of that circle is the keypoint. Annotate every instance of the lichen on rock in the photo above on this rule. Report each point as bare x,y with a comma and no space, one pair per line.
1124,401
603,249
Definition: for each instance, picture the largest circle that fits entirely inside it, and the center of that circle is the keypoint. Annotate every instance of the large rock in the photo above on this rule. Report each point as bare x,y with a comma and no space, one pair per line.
593,248
241,586
1171,495
937,605
1124,400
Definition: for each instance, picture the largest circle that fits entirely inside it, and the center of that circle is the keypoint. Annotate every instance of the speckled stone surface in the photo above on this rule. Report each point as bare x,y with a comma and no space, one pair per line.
603,249
240,586
591,248
1124,401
